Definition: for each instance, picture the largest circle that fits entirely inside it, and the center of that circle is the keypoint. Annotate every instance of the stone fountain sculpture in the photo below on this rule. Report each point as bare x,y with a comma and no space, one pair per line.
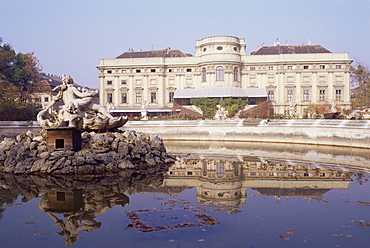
79,110
85,140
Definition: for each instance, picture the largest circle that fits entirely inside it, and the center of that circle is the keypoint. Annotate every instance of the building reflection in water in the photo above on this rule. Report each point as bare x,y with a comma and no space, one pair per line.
220,182
224,182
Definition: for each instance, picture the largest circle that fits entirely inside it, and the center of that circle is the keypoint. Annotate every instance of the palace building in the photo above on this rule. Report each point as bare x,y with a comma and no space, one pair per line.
287,76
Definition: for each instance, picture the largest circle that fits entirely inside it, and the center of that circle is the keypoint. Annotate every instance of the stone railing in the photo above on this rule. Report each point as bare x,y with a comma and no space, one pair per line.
341,133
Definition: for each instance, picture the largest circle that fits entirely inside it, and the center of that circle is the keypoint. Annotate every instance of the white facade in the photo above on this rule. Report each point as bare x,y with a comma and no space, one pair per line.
292,75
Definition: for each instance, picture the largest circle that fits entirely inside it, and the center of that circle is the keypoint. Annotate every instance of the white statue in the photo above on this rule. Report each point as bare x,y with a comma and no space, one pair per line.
79,110
333,108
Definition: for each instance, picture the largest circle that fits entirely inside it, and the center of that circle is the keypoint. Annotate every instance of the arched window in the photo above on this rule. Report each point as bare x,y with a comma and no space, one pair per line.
219,73
204,74
236,74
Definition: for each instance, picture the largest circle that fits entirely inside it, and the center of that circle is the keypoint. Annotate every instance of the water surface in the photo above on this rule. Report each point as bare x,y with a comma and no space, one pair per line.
213,196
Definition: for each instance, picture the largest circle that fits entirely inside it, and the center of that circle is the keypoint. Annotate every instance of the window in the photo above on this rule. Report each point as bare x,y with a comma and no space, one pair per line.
204,74
171,70
220,169
109,71
252,101
37,99
338,95
306,95
252,68
188,70
271,174
305,67
123,82
290,67
153,97
109,82
219,73
138,71
322,174
46,99
61,196
338,67
110,98
270,95
138,97
271,68
170,96
289,95
123,97
322,66
204,168
306,174
236,74
219,48
123,71
152,70
322,95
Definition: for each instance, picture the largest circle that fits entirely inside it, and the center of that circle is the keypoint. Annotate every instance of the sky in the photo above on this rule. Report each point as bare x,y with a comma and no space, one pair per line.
71,36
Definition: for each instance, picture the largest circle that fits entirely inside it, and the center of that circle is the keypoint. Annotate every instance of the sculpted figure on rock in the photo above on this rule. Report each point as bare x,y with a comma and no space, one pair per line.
79,110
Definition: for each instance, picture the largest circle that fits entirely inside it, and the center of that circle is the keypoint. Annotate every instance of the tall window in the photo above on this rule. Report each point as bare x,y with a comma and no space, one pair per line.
338,95
170,96
289,95
220,169
153,97
322,95
219,73
109,97
204,74
306,95
271,97
236,74
123,97
138,97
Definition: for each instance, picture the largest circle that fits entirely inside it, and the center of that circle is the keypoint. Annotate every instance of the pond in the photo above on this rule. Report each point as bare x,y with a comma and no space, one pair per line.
215,195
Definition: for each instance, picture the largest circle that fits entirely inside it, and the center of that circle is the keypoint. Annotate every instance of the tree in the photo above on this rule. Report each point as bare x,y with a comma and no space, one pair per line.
360,78
233,105
16,73
207,105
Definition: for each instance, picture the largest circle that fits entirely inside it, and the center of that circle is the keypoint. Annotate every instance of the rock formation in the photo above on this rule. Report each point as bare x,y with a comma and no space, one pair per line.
101,154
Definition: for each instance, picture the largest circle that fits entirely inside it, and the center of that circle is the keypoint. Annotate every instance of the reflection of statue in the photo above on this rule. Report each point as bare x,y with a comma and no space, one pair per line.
79,110
83,219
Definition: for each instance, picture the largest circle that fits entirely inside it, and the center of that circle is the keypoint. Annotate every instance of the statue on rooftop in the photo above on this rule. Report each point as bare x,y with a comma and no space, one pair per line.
79,110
